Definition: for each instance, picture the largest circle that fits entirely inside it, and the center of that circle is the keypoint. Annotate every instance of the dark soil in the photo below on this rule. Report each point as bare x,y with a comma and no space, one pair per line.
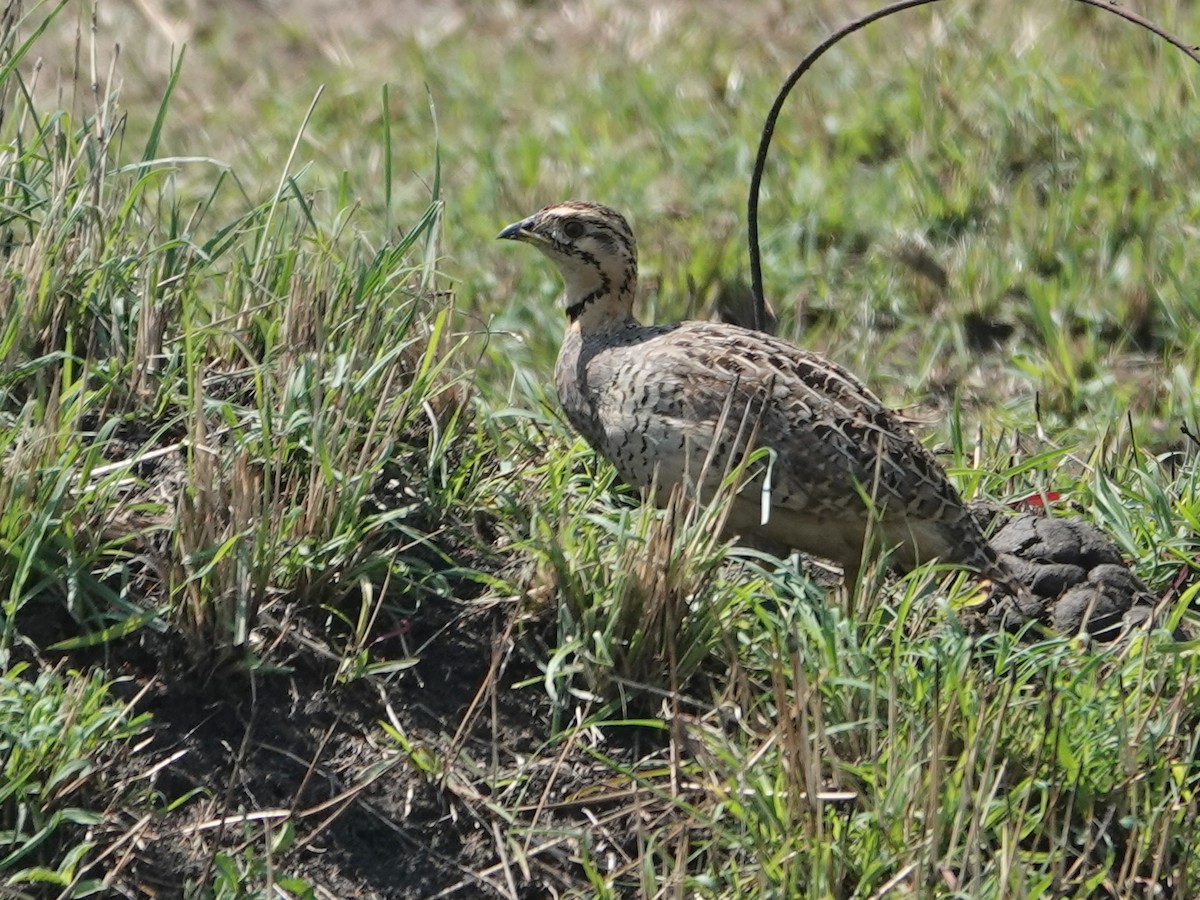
302,742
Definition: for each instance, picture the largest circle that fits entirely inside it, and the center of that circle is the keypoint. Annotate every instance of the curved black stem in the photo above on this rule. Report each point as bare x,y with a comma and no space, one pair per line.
816,53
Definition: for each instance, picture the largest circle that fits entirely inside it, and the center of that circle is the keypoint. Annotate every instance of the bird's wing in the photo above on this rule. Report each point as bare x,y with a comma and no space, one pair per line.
833,441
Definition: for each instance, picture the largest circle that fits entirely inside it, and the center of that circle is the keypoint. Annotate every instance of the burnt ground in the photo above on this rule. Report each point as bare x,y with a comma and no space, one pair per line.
371,818
368,822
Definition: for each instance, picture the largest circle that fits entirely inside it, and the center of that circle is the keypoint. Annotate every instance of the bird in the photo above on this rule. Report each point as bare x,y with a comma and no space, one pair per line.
684,403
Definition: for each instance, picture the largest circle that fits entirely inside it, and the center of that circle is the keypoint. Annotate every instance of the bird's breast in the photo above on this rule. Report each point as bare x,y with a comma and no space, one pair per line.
636,406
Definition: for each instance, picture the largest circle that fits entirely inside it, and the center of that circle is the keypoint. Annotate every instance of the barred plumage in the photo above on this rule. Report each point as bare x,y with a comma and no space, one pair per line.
661,400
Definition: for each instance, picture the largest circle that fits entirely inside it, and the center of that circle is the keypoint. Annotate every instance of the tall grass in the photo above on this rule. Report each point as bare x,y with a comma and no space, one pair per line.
203,415
247,427
220,434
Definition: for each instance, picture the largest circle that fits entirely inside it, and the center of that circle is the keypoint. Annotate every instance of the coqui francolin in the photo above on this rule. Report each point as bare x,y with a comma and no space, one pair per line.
682,403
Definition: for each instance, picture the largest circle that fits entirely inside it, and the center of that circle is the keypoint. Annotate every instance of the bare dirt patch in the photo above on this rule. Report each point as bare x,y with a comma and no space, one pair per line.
299,747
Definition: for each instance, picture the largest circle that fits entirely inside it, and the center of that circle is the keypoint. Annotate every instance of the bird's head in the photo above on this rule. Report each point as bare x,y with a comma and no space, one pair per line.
594,250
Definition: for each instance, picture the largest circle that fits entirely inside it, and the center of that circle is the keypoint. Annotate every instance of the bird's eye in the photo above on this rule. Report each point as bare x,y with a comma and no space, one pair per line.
573,229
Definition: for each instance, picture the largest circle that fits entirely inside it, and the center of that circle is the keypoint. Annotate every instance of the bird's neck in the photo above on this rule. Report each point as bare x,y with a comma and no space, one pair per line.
602,302
601,312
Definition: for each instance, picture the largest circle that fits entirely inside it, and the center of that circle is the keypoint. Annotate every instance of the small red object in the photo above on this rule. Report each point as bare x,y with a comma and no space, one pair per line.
1041,498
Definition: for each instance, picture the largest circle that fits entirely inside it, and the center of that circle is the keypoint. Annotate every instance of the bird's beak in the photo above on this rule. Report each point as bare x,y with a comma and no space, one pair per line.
517,231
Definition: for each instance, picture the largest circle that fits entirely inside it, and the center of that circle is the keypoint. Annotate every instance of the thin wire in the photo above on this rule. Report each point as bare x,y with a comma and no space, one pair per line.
816,53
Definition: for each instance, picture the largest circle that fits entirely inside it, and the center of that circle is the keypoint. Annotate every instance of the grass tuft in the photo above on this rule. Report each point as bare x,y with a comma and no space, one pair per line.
64,740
